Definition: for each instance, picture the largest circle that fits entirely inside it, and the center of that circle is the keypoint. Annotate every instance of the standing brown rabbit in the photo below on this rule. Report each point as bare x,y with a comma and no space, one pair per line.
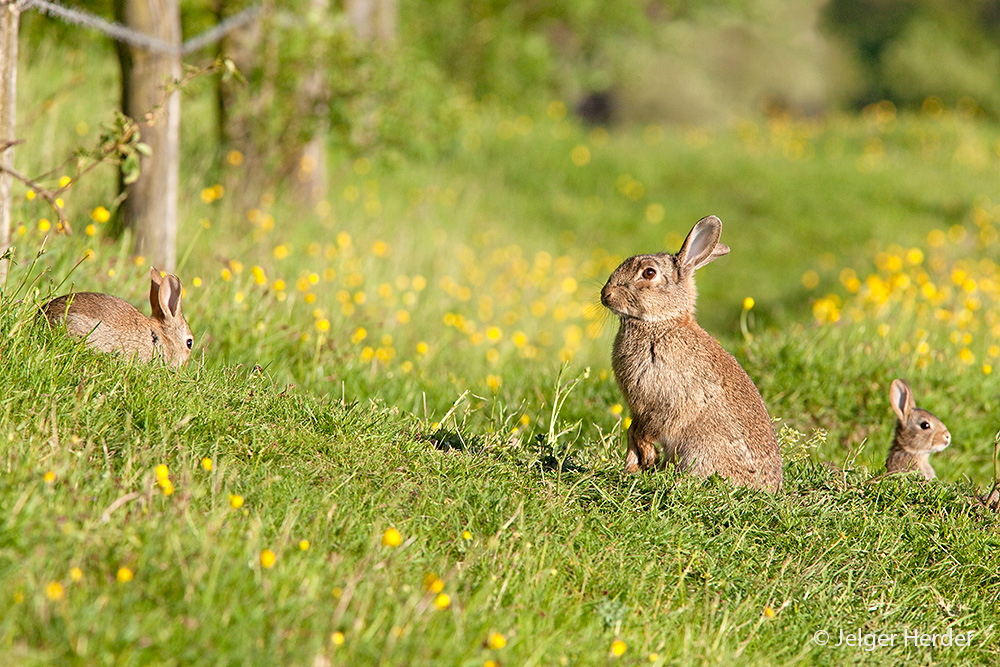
918,434
690,400
111,324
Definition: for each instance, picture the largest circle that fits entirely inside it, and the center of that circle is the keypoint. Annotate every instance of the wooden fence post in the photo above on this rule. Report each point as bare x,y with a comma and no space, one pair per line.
10,17
150,208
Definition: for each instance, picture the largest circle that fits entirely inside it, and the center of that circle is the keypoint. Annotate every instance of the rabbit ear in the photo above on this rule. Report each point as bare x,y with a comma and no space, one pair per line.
164,296
155,280
702,244
901,398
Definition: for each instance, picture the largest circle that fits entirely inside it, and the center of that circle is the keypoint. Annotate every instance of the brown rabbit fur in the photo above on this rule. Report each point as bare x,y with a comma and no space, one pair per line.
111,324
691,402
918,434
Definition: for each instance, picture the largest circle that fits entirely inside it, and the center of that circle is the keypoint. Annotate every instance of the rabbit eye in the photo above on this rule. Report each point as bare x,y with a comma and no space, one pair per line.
649,273
925,425
190,343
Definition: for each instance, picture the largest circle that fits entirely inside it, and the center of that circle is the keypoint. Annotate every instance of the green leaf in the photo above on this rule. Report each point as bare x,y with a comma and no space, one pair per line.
130,169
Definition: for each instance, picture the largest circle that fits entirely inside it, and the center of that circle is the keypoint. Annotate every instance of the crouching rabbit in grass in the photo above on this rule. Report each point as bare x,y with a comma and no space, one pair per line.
918,434
111,324
691,402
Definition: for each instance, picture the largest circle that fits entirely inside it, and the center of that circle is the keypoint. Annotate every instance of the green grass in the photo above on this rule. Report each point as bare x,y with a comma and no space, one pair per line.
438,403
560,563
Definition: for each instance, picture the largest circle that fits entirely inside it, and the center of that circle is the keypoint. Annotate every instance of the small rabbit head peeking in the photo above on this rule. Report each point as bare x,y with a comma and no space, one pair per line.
918,434
111,324
691,402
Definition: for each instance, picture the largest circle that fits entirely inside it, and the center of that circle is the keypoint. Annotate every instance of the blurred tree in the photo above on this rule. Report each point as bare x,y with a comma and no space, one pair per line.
275,114
374,21
527,48
234,109
312,179
909,50
149,98
870,25
309,83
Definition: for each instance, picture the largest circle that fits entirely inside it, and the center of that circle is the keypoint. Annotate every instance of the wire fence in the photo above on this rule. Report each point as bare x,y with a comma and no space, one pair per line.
115,31
140,40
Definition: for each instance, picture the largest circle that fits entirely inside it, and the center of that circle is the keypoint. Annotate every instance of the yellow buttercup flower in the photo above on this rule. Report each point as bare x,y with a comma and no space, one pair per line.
433,583
391,538
100,214
55,591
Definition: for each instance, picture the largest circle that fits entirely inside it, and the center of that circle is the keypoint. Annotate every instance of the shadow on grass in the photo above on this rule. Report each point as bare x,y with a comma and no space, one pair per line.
535,453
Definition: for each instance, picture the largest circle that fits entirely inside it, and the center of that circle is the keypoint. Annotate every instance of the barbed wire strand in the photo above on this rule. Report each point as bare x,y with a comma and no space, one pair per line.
220,30
120,33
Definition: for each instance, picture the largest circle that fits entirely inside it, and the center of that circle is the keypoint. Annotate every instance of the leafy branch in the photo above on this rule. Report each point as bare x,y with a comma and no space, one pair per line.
51,196
119,143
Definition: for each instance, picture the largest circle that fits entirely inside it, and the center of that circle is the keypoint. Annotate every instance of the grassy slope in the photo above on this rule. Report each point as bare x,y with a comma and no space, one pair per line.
559,564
